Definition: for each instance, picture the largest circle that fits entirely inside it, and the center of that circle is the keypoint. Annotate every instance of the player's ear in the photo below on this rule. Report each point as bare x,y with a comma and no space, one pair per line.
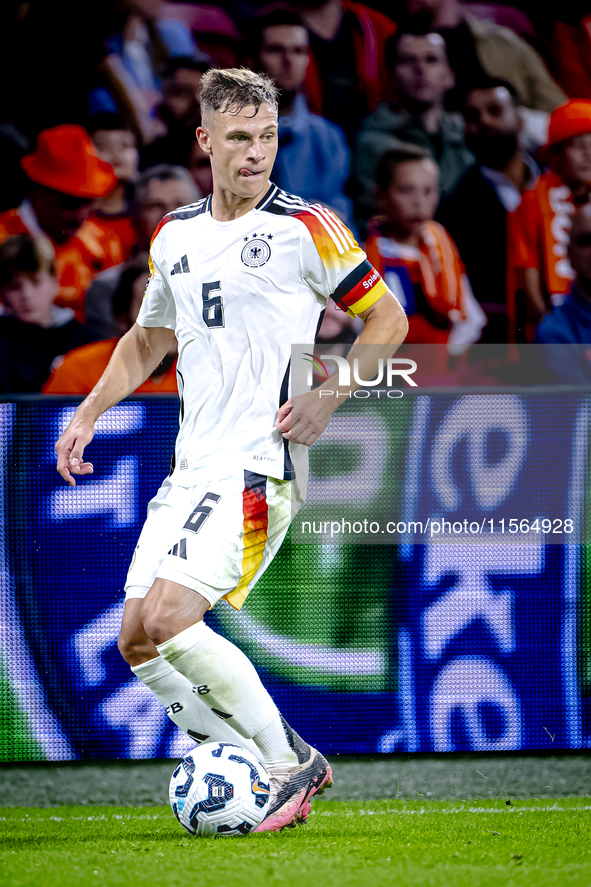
204,139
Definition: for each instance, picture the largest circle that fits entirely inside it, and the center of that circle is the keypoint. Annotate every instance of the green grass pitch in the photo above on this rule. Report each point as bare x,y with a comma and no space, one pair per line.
491,836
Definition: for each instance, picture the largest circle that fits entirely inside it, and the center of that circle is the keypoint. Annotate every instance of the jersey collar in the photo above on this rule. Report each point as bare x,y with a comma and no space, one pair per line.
268,197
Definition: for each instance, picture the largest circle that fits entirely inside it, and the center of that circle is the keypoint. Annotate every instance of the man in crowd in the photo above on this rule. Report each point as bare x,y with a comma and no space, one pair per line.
116,143
419,78
347,76
66,176
480,214
79,370
179,110
313,159
476,46
570,323
159,190
33,331
544,216
416,256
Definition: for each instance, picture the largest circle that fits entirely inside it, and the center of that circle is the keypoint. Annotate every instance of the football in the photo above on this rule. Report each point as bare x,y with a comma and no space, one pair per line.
219,789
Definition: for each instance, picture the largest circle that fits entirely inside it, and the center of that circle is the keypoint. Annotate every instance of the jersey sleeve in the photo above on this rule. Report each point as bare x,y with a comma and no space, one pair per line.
157,308
333,263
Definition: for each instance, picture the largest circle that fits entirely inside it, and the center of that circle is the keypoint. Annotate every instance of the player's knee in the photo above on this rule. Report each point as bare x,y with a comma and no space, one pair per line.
135,647
158,626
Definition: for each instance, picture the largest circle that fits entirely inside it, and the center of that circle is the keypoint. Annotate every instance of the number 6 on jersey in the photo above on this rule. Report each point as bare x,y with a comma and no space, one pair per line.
213,308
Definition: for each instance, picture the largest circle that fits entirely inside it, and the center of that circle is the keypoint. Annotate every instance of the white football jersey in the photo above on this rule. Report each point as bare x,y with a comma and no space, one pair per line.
238,294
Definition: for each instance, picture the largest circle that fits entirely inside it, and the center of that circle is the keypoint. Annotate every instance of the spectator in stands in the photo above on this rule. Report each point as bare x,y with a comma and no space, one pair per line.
66,176
416,256
79,370
419,78
480,214
313,159
159,190
475,45
571,48
140,45
116,143
179,111
347,77
33,330
570,323
199,167
337,327
544,216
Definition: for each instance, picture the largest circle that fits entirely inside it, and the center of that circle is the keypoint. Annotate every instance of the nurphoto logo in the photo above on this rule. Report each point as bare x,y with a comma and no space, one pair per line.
393,366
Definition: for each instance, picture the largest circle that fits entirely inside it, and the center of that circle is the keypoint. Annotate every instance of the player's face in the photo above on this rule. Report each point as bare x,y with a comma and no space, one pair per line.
421,72
575,159
242,148
284,55
412,195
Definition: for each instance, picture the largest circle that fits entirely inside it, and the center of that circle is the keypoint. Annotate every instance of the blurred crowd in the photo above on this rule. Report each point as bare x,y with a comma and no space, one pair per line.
453,138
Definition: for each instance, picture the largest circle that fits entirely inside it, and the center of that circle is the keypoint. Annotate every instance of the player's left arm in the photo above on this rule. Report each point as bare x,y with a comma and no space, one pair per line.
302,419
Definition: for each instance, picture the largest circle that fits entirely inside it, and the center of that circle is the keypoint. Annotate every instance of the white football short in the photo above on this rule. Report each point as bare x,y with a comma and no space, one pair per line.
216,538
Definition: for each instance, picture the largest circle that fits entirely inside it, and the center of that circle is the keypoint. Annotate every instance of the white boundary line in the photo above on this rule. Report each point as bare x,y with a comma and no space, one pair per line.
507,811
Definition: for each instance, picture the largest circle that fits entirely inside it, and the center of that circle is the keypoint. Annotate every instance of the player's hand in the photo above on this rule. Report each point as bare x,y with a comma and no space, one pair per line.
302,419
70,450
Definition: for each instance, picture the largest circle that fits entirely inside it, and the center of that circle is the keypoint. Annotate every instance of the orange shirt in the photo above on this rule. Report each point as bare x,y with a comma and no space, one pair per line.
116,235
81,369
428,281
96,246
542,231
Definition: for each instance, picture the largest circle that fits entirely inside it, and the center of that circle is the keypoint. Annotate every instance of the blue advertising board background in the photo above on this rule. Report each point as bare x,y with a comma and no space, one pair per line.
415,647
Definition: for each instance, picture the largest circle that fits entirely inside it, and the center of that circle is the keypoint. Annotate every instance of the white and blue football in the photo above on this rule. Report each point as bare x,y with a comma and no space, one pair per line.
219,789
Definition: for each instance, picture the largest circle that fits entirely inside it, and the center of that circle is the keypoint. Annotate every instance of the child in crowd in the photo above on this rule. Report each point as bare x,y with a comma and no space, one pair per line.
417,257
33,331
79,371
544,216
115,143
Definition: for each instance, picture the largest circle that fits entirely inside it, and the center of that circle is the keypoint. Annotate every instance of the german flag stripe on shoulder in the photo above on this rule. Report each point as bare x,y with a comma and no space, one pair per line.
360,289
187,212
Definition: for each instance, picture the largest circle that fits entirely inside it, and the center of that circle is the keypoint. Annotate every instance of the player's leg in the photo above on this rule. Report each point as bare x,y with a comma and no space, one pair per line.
235,693
181,699
172,617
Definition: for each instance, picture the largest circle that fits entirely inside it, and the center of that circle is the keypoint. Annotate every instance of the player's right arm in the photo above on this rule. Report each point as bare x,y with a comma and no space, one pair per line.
136,356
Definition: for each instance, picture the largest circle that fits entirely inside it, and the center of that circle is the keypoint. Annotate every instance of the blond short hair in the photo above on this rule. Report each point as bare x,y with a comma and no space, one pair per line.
233,89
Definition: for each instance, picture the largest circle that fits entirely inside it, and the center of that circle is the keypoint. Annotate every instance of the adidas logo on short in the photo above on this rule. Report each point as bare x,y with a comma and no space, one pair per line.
180,549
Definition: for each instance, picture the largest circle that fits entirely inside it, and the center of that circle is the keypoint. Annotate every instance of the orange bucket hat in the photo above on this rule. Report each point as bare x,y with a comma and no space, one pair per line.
572,118
66,161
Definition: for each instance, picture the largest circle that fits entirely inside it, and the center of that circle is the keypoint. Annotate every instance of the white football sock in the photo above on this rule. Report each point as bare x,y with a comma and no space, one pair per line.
234,690
185,707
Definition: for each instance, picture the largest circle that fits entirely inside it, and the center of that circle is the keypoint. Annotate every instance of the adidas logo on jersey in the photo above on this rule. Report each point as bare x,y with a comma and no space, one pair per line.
181,267
180,549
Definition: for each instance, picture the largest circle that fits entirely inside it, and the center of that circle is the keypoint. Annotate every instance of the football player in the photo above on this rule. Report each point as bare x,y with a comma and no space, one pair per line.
238,276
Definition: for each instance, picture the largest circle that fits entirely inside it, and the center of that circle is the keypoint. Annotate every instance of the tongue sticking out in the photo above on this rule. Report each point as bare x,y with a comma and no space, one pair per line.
246,172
